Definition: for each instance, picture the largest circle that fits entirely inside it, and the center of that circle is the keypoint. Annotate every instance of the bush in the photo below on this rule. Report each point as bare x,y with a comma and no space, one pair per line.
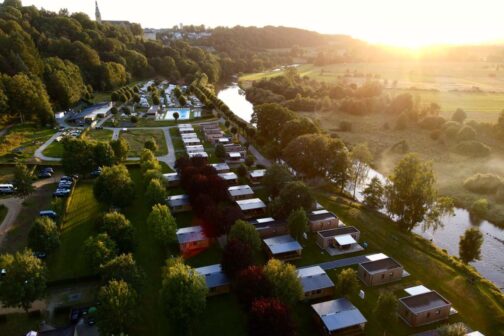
473,149
435,134
466,133
483,183
451,128
345,126
432,122
479,208
134,119
459,115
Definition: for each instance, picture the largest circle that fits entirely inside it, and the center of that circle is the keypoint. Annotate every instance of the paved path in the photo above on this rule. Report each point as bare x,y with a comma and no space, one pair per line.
170,158
39,152
115,134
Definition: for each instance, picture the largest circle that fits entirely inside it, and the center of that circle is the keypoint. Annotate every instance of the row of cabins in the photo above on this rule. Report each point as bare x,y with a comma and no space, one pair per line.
213,133
192,143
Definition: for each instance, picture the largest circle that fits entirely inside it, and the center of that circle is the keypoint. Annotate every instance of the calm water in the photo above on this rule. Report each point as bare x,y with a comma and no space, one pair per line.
234,97
491,265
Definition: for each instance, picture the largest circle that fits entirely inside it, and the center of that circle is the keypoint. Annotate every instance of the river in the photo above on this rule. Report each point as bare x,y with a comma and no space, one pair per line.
491,265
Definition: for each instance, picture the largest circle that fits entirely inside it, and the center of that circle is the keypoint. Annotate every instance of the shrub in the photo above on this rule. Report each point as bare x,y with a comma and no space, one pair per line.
435,134
459,115
466,133
473,149
432,122
479,208
345,126
483,183
451,128
134,119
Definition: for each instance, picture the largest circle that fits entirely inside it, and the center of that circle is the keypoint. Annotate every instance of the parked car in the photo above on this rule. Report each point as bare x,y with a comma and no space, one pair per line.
47,169
7,188
40,255
66,183
68,178
44,174
48,213
61,193
96,173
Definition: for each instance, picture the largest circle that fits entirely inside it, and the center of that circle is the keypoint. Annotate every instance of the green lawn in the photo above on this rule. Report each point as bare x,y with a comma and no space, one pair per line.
22,140
55,149
137,138
148,122
101,135
69,261
3,212
6,174
19,324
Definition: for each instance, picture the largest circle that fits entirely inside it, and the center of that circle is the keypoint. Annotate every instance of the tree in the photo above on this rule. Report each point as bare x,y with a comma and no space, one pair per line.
459,115
63,81
275,178
117,309
479,208
176,116
220,151
361,159
114,186
251,284
284,280
44,235
99,250
120,148
162,224
347,282
119,229
156,192
373,194
242,171
269,316
124,268
183,292
455,329
24,280
23,180
271,118
151,145
236,256
78,156
297,127
297,223
294,195
148,161
246,233
103,154
386,310
410,194
470,245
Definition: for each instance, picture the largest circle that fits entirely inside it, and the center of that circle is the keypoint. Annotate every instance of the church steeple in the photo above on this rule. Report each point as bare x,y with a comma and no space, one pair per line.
97,13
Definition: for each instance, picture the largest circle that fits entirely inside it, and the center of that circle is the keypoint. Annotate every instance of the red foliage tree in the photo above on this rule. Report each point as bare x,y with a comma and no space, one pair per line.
236,257
251,284
268,317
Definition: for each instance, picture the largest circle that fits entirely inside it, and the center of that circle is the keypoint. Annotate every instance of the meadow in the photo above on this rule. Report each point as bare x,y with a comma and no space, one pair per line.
137,138
476,87
22,140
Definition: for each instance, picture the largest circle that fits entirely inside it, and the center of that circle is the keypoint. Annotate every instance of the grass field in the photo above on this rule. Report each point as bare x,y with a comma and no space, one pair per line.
22,140
70,260
447,83
101,135
55,149
137,138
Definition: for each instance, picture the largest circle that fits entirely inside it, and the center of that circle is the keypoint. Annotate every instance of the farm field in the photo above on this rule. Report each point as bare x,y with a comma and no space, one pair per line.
137,138
450,84
22,140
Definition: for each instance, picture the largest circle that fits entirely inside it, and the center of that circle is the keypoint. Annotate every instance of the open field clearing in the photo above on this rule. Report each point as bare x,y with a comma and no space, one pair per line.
137,138
101,135
22,140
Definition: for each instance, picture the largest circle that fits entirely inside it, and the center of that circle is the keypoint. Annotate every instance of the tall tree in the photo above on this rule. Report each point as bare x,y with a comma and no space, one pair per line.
117,309
120,148
251,284
78,156
24,280
162,224
275,178
347,282
183,292
411,195
294,195
455,329
123,267
270,120
386,310
269,316
114,186
156,192
297,223
361,159
373,194
470,245
119,228
99,250
246,233
237,255
284,279
23,180
44,235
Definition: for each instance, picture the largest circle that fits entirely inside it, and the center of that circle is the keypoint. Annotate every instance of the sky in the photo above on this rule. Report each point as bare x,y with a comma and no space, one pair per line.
407,23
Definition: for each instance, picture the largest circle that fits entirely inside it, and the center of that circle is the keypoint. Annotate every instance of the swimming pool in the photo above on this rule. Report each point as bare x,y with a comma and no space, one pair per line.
184,114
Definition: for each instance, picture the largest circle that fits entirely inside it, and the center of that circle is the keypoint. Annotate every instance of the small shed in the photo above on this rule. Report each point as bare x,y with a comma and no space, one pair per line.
189,135
269,227
316,283
178,203
425,308
283,247
230,178
194,148
191,141
217,282
257,175
198,154
339,317
192,240
171,179
319,220
240,192
338,237
379,272
252,207
221,167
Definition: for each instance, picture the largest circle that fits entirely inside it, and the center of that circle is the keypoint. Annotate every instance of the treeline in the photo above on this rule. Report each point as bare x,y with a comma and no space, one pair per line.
51,60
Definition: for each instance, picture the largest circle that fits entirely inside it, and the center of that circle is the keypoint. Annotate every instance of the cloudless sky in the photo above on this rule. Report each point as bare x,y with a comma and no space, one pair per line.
400,22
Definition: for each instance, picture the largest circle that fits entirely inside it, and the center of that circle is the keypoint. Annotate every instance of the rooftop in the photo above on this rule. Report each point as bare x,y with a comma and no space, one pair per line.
177,200
251,204
338,231
190,234
234,155
189,135
240,190
197,154
228,176
220,166
171,177
314,278
380,265
321,215
423,302
195,148
265,222
282,244
338,314
257,173
214,276
345,239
